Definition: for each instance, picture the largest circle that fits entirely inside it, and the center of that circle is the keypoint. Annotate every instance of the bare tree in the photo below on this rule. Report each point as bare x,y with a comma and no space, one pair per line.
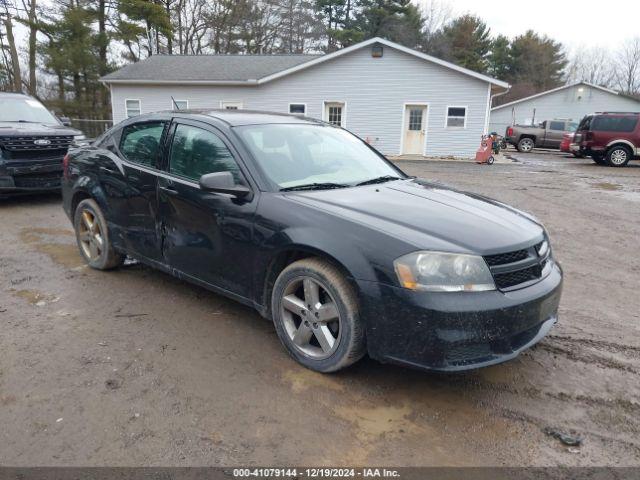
436,14
628,67
14,61
593,65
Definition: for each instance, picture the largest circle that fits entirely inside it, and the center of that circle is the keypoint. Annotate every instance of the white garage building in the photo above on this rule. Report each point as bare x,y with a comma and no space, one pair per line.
570,102
400,100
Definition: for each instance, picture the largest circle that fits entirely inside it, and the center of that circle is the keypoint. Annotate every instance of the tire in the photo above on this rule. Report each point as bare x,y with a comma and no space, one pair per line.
618,156
599,159
292,303
525,145
490,160
92,236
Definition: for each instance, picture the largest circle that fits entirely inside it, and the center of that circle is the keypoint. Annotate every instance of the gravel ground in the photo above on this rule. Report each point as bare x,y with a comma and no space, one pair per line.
133,367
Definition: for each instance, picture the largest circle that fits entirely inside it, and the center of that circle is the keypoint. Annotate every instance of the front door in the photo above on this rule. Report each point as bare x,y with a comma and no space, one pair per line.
415,127
207,236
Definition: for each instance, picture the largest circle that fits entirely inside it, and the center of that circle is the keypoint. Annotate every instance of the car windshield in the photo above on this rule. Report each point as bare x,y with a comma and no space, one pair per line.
315,156
16,109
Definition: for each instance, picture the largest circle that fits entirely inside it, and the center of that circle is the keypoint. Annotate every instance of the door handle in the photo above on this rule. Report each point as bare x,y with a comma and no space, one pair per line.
169,190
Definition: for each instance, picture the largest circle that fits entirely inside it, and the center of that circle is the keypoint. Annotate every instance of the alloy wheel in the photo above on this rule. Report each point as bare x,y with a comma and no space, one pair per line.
310,317
618,156
526,145
90,235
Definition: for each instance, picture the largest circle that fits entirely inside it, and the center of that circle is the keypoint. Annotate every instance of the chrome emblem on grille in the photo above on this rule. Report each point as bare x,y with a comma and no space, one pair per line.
42,141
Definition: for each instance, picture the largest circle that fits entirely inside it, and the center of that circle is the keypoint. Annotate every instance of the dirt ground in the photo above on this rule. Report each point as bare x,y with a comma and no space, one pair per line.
133,367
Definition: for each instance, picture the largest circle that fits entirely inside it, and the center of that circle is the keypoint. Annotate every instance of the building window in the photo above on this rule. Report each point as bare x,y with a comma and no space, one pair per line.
334,113
230,105
133,108
180,104
415,119
456,116
297,108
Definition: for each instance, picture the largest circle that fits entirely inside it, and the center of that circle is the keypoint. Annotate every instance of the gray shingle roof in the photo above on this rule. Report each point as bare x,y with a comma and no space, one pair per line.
207,68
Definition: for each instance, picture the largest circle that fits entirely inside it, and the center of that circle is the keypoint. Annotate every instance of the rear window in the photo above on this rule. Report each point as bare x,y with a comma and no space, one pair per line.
614,124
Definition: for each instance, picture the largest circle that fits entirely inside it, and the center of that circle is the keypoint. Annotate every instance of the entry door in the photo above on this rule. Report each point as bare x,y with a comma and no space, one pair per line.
415,128
207,236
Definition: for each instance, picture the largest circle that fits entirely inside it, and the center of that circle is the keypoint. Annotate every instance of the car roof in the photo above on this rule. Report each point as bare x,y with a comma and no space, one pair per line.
14,95
246,117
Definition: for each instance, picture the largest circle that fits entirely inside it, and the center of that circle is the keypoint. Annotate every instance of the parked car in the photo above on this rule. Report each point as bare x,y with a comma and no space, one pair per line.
546,135
32,145
565,145
318,232
609,138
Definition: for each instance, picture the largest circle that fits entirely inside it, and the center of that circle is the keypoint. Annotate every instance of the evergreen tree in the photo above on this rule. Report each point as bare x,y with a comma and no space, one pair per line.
536,60
500,57
466,42
397,20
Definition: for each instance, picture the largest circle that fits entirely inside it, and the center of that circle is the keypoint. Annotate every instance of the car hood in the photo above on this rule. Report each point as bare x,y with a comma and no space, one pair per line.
430,216
11,129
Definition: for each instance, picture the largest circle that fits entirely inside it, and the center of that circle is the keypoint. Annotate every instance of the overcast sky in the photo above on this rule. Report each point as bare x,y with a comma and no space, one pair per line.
584,23
574,23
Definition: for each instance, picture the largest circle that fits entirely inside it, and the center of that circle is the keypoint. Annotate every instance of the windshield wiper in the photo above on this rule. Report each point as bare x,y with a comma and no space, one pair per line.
383,179
314,186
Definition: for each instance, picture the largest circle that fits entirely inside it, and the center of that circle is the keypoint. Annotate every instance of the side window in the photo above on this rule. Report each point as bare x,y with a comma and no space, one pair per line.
140,142
614,124
196,152
556,126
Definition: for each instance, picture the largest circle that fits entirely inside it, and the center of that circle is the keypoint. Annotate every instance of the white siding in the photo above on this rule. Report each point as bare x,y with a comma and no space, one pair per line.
567,103
374,91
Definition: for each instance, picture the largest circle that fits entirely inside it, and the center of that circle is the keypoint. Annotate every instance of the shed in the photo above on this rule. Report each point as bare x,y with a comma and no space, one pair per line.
402,101
569,102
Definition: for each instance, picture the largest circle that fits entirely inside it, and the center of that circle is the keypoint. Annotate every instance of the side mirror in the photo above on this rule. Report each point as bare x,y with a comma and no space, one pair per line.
66,121
223,182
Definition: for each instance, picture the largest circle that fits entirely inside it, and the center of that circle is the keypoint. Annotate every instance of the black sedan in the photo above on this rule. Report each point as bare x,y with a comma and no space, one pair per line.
320,233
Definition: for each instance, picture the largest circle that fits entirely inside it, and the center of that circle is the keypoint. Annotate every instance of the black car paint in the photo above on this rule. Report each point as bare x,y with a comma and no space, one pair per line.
233,246
47,169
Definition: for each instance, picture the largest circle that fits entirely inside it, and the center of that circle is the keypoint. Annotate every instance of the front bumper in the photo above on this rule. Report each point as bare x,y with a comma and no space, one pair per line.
574,147
30,177
457,331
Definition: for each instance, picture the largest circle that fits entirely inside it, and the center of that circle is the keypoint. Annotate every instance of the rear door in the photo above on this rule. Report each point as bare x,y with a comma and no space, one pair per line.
141,146
207,236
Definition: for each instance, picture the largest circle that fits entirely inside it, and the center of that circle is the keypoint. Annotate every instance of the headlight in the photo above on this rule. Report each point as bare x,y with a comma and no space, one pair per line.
444,272
79,140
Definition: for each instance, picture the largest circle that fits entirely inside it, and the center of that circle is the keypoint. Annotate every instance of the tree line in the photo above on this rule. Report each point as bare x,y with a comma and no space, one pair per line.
72,43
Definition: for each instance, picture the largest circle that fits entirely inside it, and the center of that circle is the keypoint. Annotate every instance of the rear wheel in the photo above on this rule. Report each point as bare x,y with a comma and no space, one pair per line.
525,145
92,236
315,312
618,156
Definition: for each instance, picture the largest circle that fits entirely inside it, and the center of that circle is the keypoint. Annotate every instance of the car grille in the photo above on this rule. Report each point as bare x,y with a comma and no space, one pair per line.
35,147
519,268
38,180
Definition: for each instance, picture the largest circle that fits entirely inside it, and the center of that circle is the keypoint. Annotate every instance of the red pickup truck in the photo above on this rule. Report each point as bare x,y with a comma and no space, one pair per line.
609,138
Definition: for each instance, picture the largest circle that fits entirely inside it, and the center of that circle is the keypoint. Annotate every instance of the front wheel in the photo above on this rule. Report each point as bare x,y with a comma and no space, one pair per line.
525,145
316,315
92,236
618,156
